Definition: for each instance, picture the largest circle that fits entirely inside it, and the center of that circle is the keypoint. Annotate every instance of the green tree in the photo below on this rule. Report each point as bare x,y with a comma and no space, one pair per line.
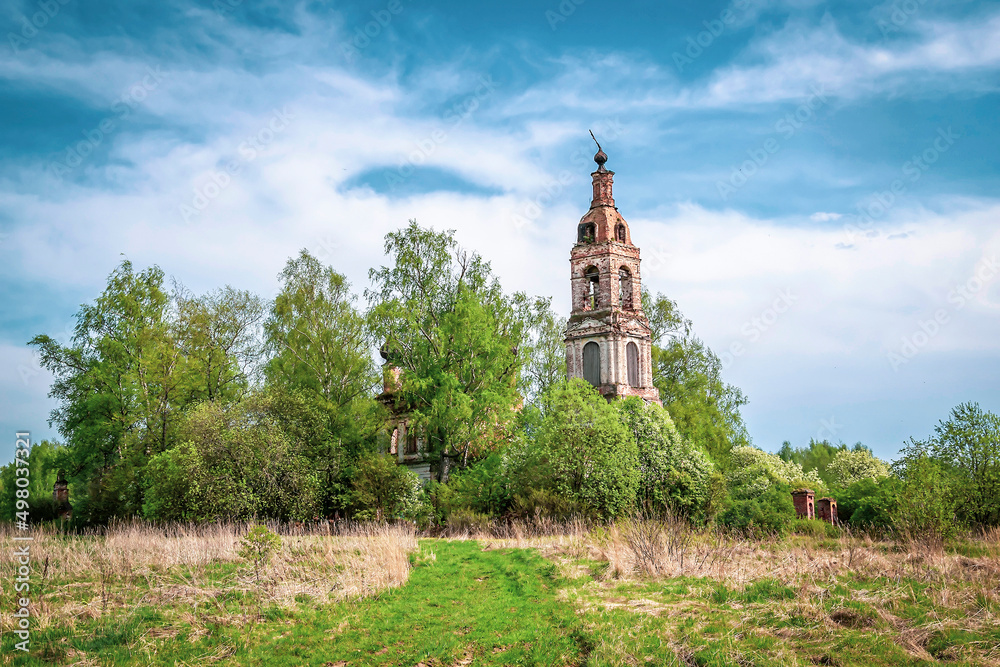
583,451
753,471
138,357
318,338
118,388
818,456
927,497
219,335
967,446
321,373
457,338
688,375
44,460
545,350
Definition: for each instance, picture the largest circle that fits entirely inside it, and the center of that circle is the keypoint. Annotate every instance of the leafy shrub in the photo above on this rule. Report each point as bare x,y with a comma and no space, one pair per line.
868,503
772,512
382,489
814,528
482,488
926,502
233,462
583,453
673,473
546,504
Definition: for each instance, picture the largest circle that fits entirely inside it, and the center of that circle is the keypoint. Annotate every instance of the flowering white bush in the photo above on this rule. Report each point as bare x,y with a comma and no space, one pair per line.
850,466
753,471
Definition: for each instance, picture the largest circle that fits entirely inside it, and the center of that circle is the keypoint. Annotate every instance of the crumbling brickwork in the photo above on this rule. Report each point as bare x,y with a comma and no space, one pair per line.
826,510
805,501
60,494
608,339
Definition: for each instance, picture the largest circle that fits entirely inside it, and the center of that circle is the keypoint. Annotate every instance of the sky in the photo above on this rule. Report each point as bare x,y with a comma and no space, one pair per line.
814,183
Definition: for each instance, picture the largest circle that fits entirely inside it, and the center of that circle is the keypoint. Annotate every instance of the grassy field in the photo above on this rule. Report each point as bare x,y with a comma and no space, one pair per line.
632,594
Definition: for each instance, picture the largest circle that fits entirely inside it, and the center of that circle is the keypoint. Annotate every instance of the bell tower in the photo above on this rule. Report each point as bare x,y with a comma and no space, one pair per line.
608,340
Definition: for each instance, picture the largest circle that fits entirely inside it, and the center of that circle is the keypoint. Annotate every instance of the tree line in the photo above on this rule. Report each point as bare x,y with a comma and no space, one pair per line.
181,407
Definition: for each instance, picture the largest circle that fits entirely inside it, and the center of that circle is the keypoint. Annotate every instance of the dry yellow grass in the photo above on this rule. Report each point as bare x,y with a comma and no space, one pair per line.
181,568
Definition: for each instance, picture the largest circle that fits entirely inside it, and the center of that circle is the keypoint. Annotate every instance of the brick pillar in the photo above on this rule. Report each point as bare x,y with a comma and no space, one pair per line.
60,492
826,510
804,500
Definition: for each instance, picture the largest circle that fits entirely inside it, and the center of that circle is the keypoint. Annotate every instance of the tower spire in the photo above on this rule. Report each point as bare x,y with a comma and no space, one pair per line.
603,178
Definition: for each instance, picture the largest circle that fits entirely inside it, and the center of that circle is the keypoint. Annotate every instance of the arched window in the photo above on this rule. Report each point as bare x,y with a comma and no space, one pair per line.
620,233
411,441
625,288
593,294
632,357
586,233
592,363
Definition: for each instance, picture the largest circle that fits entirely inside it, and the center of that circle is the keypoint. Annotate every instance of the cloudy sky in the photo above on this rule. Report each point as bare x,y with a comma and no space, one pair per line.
815,183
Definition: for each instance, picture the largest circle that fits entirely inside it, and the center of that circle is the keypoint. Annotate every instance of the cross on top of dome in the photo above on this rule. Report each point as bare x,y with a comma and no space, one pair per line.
601,156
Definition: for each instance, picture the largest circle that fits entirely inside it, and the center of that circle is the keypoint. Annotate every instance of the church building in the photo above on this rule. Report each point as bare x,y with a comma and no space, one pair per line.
608,339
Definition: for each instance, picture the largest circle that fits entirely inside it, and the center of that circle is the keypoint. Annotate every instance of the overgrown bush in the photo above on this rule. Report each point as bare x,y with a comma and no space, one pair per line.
546,504
814,528
869,503
234,462
927,499
382,490
483,488
583,452
965,453
673,474
772,512
468,521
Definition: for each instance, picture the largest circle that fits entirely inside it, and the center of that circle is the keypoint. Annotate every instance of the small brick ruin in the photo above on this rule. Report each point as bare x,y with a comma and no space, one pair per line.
807,507
60,494
826,510
805,501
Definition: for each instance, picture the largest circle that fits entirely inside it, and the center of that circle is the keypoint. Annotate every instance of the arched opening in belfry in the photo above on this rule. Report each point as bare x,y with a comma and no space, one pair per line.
592,363
412,442
632,360
620,233
625,288
593,293
586,232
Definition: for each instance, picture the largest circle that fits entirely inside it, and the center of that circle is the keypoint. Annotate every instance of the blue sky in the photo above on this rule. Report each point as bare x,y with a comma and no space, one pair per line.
815,183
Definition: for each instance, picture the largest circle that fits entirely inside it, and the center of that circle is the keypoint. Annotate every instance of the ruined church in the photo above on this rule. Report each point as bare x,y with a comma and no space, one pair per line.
608,339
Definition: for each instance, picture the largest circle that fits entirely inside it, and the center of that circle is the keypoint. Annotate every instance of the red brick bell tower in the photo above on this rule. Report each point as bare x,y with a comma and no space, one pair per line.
608,340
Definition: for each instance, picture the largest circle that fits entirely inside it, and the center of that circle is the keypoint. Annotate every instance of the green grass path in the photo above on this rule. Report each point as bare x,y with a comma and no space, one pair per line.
493,607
